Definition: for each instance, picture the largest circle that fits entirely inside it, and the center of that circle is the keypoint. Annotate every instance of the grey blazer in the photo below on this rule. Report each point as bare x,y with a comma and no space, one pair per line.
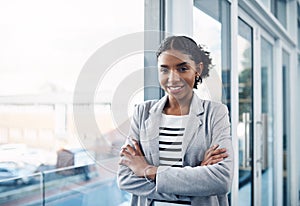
202,185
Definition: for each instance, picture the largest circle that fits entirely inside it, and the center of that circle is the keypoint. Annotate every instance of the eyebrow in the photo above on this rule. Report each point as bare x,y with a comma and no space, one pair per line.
177,65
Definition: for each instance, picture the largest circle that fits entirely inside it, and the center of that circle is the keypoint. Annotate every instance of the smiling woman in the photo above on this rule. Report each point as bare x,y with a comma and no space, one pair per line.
173,142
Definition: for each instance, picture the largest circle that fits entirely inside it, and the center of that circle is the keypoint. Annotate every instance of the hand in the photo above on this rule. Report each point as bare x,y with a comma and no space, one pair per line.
133,158
214,155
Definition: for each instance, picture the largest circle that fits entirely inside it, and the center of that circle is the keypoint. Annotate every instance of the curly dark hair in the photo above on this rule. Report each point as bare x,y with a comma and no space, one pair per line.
188,46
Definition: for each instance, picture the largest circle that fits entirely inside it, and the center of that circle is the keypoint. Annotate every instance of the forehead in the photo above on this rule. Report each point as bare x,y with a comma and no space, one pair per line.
173,57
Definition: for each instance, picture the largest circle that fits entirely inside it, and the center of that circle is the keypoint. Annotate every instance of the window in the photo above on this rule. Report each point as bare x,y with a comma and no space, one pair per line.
212,30
44,48
279,9
298,25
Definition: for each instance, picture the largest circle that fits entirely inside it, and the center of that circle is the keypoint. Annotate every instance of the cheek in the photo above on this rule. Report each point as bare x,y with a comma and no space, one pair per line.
162,79
190,81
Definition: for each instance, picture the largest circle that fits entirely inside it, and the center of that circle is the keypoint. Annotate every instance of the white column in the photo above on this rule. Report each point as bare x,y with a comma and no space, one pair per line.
293,128
257,126
179,17
278,127
234,100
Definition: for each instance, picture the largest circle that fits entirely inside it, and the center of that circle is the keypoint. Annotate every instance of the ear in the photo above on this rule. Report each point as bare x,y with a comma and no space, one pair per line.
200,67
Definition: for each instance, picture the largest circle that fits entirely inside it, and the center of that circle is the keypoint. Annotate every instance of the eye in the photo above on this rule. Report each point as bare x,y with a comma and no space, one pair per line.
182,69
164,70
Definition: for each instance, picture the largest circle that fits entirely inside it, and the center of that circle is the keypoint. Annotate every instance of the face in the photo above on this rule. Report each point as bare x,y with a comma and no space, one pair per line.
177,72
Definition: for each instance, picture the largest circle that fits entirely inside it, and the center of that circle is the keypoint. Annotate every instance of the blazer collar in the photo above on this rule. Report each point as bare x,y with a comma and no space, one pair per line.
153,122
196,107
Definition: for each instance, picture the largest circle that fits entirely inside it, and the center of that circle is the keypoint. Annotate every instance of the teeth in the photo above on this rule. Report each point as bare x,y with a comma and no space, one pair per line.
174,88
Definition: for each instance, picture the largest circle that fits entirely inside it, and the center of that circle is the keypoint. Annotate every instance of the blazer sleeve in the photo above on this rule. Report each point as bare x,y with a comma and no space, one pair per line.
133,184
203,180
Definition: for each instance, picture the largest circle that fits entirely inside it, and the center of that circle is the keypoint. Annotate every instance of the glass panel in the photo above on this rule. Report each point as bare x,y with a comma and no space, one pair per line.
44,48
245,128
286,124
267,122
266,3
211,30
24,190
279,9
81,186
298,28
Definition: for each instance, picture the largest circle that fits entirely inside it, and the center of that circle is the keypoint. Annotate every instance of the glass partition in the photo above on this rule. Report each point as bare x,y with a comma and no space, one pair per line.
211,29
286,125
279,10
267,120
44,48
245,125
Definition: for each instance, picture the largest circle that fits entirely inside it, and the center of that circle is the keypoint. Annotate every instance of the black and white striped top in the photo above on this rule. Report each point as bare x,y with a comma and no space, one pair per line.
171,132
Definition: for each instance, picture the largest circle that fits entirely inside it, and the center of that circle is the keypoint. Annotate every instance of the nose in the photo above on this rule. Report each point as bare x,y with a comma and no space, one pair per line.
173,77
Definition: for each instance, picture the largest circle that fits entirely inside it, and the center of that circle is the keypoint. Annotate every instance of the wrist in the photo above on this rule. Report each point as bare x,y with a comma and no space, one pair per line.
150,172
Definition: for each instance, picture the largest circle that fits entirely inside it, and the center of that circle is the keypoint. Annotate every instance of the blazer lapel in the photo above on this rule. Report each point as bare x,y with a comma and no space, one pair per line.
194,122
152,129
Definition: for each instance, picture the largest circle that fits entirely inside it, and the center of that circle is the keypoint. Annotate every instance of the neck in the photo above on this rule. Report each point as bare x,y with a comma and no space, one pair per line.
177,107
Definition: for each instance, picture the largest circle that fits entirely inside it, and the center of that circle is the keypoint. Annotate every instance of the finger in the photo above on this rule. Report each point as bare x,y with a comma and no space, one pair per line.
125,153
125,145
215,161
223,155
219,151
124,162
121,152
215,146
211,149
204,163
129,148
137,147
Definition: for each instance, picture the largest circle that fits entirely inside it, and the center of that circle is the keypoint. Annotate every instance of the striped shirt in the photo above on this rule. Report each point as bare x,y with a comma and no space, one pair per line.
171,132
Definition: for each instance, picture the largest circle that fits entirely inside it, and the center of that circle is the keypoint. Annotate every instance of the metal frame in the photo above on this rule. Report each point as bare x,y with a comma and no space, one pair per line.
292,119
155,15
234,99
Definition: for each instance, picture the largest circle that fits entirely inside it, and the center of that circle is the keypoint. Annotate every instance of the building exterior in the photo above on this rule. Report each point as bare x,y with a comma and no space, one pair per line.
255,47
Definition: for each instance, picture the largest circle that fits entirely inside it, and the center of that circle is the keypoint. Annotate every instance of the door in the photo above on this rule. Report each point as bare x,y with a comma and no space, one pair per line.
267,120
245,126
256,115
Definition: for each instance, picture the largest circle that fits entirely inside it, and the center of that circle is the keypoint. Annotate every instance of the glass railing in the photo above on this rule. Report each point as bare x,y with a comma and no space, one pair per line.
82,186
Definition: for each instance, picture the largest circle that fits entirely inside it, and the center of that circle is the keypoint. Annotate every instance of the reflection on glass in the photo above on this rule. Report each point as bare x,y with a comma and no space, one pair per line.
19,191
266,3
245,134
40,61
279,9
211,30
286,132
298,25
267,122
209,35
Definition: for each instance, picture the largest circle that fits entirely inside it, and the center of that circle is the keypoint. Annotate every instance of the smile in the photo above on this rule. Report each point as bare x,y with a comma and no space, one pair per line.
175,89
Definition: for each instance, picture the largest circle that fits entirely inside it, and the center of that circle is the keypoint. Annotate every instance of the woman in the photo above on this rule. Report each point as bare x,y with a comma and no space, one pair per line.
171,157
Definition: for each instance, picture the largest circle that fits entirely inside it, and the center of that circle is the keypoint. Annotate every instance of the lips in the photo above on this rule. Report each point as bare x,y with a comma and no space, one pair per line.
175,89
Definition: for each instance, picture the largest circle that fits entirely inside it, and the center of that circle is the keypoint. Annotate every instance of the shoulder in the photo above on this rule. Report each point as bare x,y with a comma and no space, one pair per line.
146,105
142,110
213,107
